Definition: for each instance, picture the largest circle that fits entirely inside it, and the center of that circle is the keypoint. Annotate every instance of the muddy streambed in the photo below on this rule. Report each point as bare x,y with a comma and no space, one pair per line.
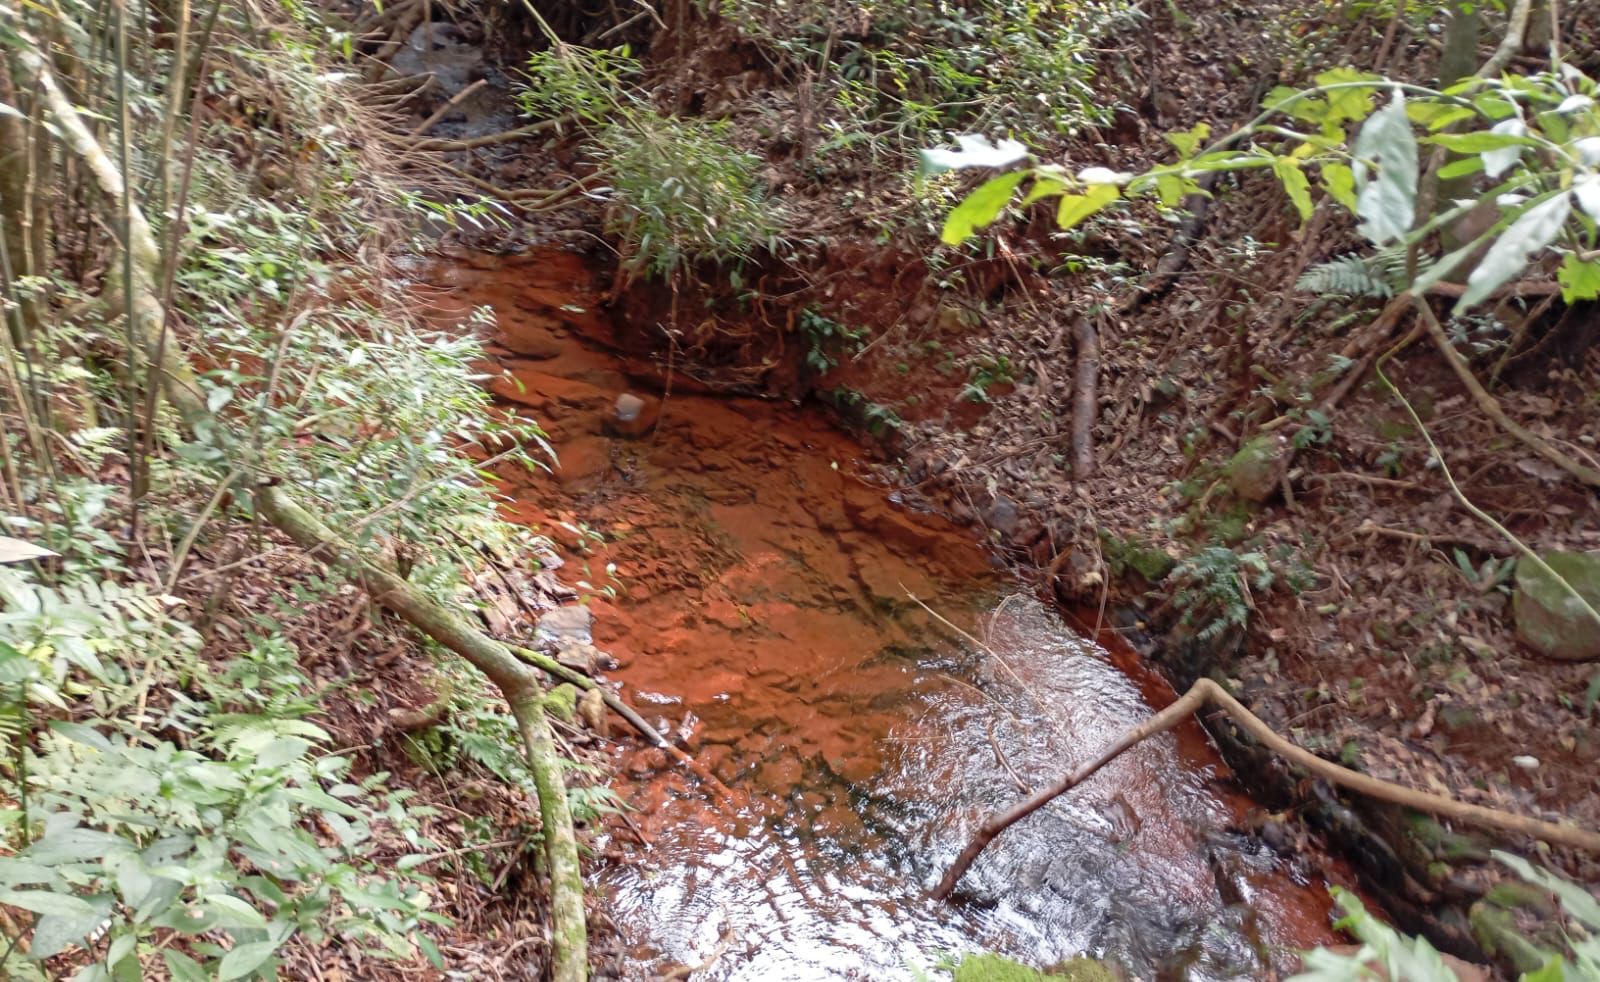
762,613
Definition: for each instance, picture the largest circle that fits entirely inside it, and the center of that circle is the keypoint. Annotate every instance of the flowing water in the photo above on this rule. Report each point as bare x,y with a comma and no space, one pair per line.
764,614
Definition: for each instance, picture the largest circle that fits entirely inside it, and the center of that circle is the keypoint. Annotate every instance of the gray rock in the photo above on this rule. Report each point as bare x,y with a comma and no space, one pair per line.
574,624
1549,619
633,415
1256,471
1002,515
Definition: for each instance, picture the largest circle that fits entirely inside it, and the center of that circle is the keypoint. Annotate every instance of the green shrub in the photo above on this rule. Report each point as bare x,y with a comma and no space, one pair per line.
682,195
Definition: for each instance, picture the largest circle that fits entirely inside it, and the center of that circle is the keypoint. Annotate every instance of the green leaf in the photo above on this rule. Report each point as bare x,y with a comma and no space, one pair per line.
1353,103
1534,229
1460,168
1170,189
1076,207
47,902
1297,103
244,959
430,951
86,735
284,750
182,967
1295,183
74,845
980,207
1044,187
1340,184
1189,140
1574,898
1579,280
233,912
1386,204
1481,142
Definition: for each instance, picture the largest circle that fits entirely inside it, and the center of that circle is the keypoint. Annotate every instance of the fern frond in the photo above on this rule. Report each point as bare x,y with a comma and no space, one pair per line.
1378,275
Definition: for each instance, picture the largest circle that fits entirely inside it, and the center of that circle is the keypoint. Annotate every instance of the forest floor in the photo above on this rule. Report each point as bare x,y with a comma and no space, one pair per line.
1385,638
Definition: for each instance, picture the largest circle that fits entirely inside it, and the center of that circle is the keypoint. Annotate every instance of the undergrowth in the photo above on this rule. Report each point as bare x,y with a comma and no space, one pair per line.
177,797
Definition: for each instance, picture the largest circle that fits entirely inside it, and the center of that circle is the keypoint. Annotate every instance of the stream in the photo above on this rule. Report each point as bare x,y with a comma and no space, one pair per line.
763,612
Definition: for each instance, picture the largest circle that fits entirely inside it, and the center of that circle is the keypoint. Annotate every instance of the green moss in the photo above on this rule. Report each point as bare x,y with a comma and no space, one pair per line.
562,702
1133,553
993,968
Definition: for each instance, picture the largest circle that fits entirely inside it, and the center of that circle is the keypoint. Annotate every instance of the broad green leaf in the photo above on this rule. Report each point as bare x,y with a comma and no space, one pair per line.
1298,103
1534,229
86,735
1436,115
1044,187
233,912
244,959
1579,280
74,845
121,948
1076,207
1481,142
1295,184
1354,103
976,151
53,934
980,207
14,872
1170,189
47,902
1189,140
1461,168
182,967
1386,203
281,751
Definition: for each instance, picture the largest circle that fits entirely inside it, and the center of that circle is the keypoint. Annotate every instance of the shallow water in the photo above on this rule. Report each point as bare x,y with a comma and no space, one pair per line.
764,614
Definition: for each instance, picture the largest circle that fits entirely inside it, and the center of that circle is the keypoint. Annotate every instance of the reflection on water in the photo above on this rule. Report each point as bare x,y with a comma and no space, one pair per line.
1125,868
763,617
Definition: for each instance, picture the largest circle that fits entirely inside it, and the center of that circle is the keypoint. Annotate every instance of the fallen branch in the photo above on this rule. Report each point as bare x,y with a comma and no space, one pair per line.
1206,692
453,102
547,664
1491,407
1085,403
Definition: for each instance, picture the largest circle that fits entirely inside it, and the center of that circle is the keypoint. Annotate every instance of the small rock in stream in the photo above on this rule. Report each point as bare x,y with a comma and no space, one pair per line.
632,415
567,624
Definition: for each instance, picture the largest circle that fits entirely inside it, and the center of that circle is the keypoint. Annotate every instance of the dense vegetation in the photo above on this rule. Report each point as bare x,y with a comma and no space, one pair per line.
238,464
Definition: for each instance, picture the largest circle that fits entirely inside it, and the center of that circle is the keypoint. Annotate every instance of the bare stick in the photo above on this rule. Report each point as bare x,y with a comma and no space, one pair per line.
565,674
1085,404
1206,692
439,113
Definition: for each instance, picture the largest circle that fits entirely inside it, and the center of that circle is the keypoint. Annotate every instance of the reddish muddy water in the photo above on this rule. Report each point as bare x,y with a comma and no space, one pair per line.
763,613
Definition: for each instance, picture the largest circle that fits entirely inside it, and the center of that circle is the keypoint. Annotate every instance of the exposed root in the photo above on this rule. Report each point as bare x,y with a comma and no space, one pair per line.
506,136
1491,407
1206,692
